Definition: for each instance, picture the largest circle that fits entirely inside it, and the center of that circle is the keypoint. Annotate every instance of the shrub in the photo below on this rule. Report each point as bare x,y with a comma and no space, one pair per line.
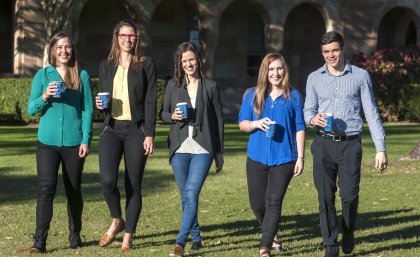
395,73
14,97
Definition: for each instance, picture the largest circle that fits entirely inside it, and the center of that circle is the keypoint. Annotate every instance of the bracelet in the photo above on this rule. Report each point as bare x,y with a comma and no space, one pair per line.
249,125
300,157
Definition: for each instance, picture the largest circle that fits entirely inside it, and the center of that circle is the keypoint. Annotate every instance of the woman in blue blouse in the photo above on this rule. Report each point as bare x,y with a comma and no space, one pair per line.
272,161
64,135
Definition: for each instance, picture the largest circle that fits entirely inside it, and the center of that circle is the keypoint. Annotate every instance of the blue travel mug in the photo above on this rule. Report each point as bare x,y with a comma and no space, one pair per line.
271,129
104,96
184,108
59,86
330,121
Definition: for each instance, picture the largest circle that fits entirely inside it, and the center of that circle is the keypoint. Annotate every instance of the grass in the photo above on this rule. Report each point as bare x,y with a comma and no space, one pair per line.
389,223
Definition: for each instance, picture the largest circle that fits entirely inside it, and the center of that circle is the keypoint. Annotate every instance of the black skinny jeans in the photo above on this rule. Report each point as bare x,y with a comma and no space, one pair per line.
48,160
117,139
267,187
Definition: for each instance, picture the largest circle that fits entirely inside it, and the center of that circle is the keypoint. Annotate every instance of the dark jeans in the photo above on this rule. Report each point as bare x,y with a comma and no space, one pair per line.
190,172
48,160
267,186
116,140
332,159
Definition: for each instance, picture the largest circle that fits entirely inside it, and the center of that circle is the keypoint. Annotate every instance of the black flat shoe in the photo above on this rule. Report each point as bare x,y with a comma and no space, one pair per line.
347,242
196,245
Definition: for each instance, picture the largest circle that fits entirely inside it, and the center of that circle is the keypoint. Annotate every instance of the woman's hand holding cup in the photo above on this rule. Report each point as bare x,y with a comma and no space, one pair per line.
98,103
177,114
50,91
102,100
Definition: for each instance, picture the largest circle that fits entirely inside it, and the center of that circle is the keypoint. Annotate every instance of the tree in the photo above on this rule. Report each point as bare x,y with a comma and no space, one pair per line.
56,14
414,154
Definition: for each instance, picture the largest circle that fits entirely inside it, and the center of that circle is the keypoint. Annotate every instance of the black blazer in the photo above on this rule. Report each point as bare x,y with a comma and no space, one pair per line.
207,117
141,92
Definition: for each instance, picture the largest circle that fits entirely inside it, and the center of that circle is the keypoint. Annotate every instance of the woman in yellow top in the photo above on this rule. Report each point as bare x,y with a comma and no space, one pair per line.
129,128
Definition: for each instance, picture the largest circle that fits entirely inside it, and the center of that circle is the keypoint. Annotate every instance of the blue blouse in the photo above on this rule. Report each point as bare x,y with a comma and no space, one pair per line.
288,114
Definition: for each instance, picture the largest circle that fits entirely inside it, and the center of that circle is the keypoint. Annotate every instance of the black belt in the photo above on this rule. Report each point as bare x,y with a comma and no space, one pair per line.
112,122
338,138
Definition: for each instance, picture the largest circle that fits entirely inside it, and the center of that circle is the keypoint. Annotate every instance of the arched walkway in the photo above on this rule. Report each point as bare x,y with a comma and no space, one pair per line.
303,30
99,18
173,22
241,42
6,39
396,29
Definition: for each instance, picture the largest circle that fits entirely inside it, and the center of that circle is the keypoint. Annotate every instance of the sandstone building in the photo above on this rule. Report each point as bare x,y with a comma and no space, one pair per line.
233,35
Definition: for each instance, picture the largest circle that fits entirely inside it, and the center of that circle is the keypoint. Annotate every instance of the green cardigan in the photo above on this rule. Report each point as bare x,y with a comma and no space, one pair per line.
65,121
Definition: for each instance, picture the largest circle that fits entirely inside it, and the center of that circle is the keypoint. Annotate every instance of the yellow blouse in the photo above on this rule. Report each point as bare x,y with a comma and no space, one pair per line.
120,101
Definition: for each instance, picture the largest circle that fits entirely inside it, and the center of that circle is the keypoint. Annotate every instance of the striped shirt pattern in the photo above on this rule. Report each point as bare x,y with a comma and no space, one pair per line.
344,96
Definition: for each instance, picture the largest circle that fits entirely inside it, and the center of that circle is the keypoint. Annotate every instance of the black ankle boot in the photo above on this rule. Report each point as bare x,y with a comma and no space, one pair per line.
40,241
74,240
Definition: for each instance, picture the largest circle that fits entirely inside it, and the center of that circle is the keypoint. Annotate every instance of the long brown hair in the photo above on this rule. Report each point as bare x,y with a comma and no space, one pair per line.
178,70
263,85
114,55
72,78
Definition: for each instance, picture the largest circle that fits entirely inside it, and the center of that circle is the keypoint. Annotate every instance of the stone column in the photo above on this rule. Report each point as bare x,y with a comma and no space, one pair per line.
141,12
274,37
29,37
209,18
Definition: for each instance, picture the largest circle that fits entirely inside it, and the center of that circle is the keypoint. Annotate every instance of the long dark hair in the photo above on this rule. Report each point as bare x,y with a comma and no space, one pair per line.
178,70
72,78
114,55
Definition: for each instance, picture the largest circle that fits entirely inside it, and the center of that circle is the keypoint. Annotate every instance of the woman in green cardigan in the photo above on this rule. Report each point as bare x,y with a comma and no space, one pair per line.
64,135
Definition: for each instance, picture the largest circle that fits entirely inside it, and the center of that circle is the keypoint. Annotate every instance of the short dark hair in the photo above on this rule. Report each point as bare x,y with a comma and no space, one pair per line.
331,37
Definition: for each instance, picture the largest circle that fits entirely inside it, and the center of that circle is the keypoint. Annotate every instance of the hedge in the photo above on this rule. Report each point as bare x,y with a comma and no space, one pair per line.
14,96
396,81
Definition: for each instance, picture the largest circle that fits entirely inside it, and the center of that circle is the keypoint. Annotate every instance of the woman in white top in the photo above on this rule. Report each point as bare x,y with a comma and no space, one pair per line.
193,141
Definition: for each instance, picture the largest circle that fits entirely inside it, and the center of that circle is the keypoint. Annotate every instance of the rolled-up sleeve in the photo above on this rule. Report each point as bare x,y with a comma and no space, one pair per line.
311,101
372,115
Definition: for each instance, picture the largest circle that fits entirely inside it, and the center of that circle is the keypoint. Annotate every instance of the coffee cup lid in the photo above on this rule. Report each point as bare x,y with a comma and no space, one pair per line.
183,103
328,114
103,93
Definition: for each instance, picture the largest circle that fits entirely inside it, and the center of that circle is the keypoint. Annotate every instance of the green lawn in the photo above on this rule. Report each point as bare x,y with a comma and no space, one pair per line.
389,222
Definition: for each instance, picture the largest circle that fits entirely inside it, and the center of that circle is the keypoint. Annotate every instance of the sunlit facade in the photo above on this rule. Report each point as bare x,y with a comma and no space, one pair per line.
233,35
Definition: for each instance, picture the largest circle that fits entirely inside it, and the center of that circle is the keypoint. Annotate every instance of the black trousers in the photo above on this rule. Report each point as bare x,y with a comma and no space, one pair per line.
118,139
48,160
331,160
267,187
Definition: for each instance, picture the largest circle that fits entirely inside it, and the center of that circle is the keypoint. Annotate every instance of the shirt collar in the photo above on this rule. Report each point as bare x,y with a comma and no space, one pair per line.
51,69
347,68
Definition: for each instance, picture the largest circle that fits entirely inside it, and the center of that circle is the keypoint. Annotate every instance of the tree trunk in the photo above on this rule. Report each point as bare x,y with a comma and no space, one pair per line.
414,154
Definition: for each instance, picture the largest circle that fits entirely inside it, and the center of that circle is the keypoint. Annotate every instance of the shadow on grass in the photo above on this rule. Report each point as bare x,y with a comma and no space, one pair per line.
236,235
15,188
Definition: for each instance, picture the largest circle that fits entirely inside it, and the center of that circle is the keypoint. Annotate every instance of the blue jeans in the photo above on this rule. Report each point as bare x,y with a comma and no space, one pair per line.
190,172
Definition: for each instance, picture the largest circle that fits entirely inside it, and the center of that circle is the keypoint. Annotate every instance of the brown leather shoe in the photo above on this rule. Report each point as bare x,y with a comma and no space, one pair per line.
179,250
107,239
28,250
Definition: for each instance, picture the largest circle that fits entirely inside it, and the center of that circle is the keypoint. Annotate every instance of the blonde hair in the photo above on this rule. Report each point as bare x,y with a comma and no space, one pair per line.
72,78
263,86
114,55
